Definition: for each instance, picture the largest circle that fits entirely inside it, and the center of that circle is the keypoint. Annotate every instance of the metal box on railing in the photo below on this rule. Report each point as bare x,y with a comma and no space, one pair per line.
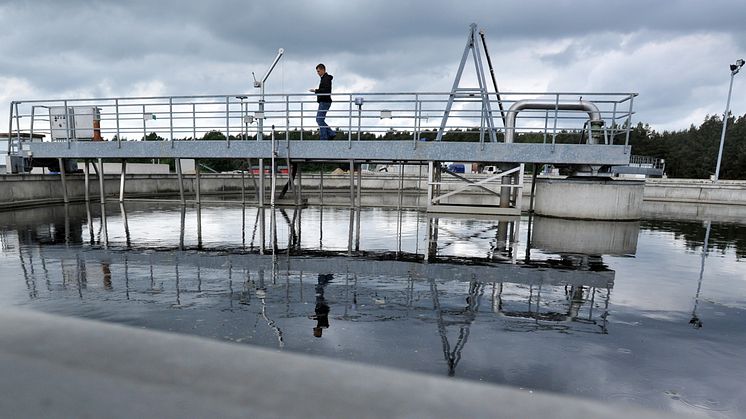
75,124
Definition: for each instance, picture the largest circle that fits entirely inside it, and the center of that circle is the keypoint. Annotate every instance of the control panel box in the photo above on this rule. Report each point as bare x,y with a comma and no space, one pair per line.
75,124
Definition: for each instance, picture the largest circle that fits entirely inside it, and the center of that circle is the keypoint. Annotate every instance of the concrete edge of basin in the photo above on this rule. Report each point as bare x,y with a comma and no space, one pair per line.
66,367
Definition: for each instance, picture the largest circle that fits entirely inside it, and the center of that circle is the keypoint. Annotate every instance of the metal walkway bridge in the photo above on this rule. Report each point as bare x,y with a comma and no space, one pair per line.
588,132
549,128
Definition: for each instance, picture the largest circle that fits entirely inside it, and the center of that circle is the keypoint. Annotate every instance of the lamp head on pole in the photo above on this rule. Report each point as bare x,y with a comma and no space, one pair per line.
735,68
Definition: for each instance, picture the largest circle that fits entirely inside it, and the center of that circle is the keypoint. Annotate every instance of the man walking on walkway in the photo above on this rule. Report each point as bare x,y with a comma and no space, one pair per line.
325,101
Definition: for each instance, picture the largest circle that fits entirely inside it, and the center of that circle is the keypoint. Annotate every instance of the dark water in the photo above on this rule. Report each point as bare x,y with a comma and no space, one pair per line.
628,312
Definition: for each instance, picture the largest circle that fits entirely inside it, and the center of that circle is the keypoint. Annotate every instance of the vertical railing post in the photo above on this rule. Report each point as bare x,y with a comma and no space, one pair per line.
556,113
629,121
287,126
144,126
613,124
119,135
227,121
18,124
31,130
194,121
67,124
415,130
349,124
359,119
301,118
171,119
10,129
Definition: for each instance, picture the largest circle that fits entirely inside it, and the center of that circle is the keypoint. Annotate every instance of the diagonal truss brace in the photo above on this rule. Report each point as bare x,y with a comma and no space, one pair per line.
471,46
480,184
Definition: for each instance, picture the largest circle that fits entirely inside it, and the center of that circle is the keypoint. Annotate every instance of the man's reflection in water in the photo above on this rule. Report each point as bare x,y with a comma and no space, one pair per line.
322,308
106,269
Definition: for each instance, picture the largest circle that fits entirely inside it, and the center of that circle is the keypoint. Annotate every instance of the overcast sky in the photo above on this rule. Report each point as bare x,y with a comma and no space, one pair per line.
675,53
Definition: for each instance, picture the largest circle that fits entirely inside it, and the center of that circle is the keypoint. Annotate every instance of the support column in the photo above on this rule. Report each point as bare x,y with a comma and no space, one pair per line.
321,185
533,188
243,188
65,197
86,178
180,176
122,180
199,226
505,190
101,189
430,186
352,183
260,191
299,186
360,188
198,186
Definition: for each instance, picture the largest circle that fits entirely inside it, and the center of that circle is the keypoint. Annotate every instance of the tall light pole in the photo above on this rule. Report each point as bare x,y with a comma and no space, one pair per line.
734,69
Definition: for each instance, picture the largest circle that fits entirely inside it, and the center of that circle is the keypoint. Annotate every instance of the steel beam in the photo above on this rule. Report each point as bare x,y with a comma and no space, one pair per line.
380,150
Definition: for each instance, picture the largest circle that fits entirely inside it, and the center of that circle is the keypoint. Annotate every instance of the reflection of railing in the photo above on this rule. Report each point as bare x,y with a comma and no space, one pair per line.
416,116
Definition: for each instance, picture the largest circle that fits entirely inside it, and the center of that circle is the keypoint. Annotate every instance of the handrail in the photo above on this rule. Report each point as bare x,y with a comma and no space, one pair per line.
378,114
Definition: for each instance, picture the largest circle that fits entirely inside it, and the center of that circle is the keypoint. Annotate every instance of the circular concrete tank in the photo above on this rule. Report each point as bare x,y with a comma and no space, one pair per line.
589,199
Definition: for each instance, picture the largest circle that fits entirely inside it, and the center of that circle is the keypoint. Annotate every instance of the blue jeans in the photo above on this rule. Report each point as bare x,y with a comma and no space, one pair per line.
325,133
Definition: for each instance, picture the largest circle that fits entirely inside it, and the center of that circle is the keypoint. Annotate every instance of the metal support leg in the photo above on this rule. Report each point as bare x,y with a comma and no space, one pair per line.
180,177
243,187
360,187
299,186
350,231
260,191
87,181
101,189
104,225
262,228
352,183
183,228
198,185
199,226
505,192
65,198
122,178
533,188
430,176
321,185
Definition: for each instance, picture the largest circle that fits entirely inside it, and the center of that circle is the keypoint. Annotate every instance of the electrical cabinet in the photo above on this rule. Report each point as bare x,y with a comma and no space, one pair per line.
75,124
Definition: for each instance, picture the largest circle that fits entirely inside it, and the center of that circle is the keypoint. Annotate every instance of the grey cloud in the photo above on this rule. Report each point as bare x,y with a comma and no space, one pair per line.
211,47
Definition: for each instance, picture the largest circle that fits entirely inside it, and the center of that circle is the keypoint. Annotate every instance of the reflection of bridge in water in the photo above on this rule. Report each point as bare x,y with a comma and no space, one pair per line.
269,273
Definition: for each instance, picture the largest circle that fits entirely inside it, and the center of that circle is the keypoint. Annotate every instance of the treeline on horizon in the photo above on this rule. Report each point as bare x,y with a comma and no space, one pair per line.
690,153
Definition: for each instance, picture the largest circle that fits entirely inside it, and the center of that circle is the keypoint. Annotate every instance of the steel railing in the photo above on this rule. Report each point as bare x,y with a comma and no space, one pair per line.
356,116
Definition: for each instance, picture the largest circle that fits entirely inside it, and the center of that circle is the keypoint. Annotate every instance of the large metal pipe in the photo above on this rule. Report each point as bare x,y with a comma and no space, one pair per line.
582,105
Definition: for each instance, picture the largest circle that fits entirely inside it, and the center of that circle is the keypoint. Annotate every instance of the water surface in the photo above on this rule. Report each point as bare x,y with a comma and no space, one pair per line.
641,313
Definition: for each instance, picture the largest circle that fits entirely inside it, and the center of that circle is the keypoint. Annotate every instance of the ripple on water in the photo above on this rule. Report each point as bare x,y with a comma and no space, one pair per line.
704,403
697,402
628,398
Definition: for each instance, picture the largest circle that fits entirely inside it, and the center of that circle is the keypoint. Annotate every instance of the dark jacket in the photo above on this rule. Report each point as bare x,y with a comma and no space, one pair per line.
325,86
